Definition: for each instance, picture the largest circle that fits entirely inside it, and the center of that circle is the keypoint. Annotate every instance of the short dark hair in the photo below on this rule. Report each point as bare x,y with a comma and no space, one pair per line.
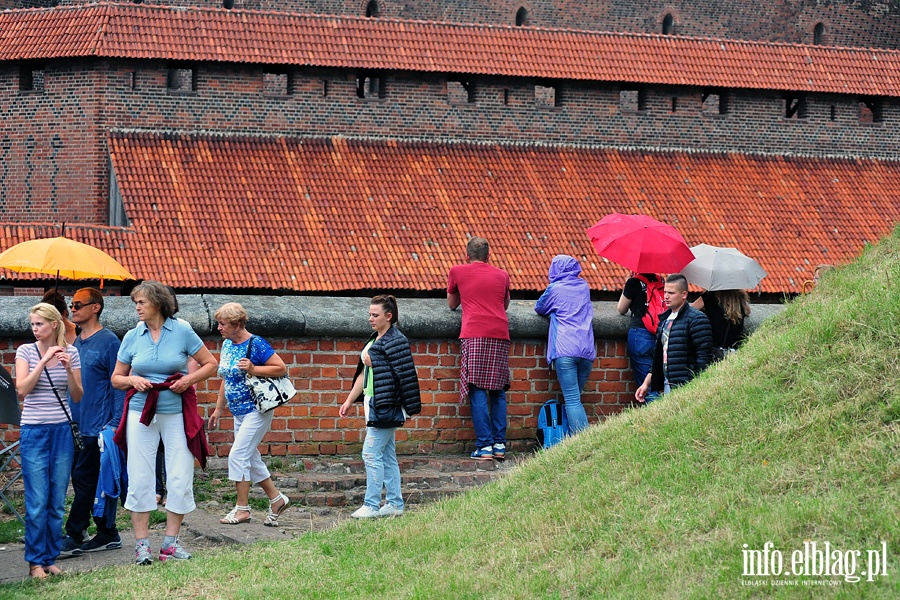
156,294
678,279
95,296
388,304
477,248
56,300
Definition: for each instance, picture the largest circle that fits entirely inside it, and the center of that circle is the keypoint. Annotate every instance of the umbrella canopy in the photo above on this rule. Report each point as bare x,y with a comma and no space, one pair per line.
640,243
61,256
723,269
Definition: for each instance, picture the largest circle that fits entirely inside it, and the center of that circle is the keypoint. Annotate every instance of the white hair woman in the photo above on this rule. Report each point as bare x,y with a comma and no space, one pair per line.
244,353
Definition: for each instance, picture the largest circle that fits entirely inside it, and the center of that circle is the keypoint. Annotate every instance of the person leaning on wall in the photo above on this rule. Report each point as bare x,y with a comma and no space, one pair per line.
570,344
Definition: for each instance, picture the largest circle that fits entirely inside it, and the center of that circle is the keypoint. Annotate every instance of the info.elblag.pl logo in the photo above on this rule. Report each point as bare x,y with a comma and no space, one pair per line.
824,563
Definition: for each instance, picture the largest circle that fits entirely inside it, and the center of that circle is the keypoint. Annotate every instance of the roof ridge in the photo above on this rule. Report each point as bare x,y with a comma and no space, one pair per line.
112,7
125,133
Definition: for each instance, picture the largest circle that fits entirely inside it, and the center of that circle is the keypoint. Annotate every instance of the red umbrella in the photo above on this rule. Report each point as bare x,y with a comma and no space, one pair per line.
640,243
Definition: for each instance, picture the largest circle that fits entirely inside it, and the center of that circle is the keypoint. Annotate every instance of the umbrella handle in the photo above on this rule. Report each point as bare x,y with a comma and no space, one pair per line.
808,286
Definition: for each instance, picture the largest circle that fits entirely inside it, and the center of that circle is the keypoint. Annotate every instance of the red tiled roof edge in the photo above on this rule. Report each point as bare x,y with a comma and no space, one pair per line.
338,214
203,34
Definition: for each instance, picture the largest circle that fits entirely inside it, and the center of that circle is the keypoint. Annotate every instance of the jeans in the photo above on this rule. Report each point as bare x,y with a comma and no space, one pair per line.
641,345
47,452
380,455
489,422
85,474
573,373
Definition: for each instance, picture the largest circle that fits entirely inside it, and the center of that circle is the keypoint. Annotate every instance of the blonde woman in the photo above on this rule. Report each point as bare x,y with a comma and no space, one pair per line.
45,371
243,353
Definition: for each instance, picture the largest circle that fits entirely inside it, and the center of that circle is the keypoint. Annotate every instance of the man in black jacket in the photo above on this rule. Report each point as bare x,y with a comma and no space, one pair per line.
683,342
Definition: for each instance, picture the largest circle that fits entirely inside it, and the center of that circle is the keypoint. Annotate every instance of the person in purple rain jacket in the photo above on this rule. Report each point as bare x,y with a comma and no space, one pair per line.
570,347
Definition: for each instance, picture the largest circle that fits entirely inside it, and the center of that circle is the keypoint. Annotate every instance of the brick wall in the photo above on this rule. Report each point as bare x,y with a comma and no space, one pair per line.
53,144
321,370
52,154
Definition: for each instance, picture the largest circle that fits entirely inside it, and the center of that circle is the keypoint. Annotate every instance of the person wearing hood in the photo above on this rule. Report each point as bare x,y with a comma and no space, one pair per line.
570,347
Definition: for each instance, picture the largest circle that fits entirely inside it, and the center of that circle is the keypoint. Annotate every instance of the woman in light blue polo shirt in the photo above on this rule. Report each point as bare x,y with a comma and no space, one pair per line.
150,354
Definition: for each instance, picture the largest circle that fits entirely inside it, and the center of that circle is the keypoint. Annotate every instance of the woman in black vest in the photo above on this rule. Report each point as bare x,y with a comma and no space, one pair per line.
387,384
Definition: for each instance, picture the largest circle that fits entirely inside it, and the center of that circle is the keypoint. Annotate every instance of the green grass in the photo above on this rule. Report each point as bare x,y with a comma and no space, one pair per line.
796,438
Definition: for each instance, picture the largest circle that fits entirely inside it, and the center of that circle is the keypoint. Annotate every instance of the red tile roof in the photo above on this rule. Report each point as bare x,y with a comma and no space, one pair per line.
332,215
157,32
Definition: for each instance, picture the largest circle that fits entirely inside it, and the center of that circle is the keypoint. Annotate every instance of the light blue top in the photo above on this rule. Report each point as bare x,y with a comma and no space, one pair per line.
157,361
237,393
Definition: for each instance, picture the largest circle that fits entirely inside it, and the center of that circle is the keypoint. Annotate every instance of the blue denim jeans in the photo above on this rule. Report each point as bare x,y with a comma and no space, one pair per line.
47,453
380,455
573,373
488,416
641,344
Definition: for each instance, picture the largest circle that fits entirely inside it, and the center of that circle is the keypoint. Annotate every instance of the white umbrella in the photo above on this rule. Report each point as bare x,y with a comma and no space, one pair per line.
722,269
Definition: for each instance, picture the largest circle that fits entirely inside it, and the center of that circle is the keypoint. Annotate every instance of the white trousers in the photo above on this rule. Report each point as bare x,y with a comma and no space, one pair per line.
143,442
244,461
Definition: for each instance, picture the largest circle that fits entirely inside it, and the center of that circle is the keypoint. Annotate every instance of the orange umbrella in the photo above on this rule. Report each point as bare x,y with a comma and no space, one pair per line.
61,256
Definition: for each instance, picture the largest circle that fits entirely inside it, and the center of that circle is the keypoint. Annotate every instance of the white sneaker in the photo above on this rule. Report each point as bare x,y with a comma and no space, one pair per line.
365,512
389,510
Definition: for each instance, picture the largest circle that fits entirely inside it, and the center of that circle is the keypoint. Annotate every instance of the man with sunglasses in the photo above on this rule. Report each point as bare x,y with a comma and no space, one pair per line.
101,406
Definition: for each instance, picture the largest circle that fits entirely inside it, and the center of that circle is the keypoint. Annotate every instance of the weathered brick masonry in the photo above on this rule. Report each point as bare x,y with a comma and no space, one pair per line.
321,370
54,162
323,355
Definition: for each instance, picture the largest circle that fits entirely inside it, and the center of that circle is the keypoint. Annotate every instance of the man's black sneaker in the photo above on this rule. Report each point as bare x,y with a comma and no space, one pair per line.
69,548
102,542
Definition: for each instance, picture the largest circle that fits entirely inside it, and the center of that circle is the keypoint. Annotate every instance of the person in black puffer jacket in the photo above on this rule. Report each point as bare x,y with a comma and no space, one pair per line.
387,384
683,342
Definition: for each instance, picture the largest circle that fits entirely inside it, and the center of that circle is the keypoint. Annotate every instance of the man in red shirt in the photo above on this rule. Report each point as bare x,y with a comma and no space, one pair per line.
483,292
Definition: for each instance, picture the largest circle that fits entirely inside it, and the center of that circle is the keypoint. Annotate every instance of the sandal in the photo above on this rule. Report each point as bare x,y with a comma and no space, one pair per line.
272,515
37,572
232,519
54,570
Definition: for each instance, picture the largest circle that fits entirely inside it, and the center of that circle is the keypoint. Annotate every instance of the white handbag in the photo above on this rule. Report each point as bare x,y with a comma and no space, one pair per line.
269,392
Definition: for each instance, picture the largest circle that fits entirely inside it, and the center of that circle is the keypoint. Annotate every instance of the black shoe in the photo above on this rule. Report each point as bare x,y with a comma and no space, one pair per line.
70,547
102,541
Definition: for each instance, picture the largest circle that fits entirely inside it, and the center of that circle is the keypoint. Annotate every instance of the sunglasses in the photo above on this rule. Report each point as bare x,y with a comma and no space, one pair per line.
79,305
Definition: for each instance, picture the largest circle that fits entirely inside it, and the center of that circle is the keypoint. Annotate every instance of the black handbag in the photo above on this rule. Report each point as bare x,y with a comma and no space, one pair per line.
76,433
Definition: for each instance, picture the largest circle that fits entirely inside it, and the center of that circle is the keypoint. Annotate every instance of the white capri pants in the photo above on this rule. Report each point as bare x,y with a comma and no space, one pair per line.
244,461
143,442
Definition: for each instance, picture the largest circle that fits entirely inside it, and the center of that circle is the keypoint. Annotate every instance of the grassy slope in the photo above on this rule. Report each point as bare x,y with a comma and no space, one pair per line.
795,438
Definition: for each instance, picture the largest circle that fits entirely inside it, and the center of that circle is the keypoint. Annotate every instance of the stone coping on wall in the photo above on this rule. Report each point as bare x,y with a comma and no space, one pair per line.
338,317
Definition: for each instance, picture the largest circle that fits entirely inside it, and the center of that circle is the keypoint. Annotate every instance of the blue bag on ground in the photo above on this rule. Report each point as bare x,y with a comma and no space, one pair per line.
552,423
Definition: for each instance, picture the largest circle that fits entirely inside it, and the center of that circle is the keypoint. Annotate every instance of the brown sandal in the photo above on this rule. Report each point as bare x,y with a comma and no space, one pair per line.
37,572
54,570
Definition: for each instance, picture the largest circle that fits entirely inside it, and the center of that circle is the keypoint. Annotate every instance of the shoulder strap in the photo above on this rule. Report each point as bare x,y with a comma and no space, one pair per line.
55,393
249,346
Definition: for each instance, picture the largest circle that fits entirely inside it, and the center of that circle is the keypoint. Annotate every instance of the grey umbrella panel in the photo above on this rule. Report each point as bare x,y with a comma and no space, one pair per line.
716,268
